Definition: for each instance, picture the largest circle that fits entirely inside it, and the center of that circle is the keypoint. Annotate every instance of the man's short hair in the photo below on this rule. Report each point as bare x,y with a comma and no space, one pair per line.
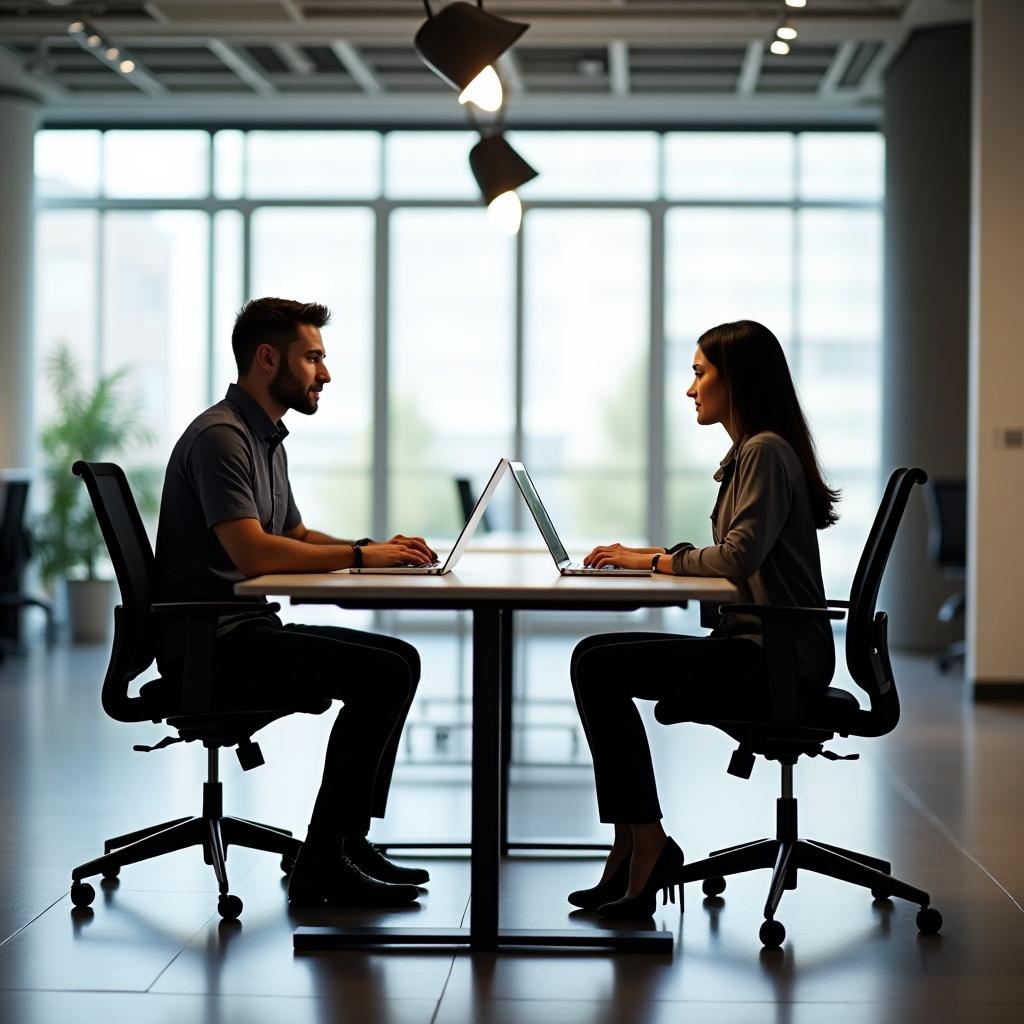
274,322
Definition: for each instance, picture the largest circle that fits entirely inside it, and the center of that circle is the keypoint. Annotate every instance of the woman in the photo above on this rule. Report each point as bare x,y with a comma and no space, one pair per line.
772,500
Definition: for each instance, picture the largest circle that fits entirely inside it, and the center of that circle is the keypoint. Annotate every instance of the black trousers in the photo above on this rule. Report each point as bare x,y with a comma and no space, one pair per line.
374,676
715,676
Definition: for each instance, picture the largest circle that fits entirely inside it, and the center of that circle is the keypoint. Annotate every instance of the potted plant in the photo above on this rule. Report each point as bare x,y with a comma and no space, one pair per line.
94,424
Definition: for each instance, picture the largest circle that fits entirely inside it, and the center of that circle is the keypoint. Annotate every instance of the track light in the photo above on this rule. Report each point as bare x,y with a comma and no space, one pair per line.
461,43
796,3
780,47
786,31
499,170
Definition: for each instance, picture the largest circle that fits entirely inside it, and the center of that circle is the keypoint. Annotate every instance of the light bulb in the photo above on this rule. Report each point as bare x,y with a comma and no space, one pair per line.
779,46
127,66
93,41
786,32
75,27
484,91
506,212
796,3
112,53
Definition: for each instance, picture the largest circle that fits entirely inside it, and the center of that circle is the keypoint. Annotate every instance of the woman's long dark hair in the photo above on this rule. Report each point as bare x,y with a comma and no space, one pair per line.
762,397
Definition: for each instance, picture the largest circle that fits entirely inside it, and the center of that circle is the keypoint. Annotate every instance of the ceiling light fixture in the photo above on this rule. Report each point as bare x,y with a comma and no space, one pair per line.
779,47
786,31
460,45
499,170
126,67
112,53
796,3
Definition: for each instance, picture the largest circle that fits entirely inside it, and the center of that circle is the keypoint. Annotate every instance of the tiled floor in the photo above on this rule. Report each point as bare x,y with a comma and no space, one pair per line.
941,798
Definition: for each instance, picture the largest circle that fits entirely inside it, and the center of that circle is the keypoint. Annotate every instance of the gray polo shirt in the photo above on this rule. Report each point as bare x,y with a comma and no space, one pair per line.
229,464
767,545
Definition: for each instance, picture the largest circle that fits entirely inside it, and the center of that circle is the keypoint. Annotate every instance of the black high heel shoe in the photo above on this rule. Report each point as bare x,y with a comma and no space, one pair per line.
664,876
603,892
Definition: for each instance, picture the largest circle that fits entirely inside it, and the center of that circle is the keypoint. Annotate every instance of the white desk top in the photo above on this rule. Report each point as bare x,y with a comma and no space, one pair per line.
493,576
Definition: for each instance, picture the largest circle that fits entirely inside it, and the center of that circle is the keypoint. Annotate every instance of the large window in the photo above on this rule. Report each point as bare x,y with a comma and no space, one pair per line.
569,346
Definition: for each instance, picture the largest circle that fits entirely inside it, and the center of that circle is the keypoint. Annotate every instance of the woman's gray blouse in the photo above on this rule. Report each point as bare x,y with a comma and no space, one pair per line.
767,545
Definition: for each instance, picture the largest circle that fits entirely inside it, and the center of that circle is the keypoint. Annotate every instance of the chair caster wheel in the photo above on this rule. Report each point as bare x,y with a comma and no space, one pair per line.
82,894
229,907
929,920
287,863
772,934
878,893
713,886
112,872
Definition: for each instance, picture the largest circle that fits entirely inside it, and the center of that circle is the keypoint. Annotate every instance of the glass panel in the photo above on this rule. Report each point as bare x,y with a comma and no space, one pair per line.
589,165
839,371
66,251
228,164
451,364
729,165
840,275
430,164
313,164
721,265
227,296
165,164
842,165
326,256
585,404
67,164
155,318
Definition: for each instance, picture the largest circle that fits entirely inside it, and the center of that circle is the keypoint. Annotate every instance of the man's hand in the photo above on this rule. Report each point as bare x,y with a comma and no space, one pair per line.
396,552
619,554
416,543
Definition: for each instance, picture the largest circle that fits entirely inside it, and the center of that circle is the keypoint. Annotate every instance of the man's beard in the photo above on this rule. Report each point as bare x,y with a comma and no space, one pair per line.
287,389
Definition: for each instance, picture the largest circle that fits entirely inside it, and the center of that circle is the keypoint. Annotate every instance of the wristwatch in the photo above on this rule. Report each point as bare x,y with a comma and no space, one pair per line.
654,563
357,556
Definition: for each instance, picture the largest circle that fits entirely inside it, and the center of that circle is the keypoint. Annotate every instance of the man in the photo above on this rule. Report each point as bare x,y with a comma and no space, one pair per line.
227,513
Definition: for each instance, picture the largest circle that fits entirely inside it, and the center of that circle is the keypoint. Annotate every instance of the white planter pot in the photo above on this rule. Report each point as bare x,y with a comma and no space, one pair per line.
90,605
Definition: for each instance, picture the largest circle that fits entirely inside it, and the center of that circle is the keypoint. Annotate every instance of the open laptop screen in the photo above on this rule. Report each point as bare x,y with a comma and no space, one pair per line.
540,513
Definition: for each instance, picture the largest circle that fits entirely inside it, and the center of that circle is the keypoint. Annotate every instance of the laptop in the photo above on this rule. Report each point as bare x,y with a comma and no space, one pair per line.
460,544
550,534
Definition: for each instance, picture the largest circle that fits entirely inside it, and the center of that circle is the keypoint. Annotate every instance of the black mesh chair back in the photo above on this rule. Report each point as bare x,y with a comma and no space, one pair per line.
467,502
134,566
947,523
867,650
14,546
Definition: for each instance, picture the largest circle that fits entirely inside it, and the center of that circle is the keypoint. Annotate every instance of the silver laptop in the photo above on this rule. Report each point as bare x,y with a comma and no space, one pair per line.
547,528
460,545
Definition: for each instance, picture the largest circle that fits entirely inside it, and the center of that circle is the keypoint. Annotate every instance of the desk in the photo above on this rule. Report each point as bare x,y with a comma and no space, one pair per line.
492,586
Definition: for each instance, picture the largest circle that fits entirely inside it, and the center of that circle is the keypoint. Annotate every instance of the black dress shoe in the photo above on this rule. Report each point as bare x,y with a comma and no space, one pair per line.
368,858
339,883
664,876
603,892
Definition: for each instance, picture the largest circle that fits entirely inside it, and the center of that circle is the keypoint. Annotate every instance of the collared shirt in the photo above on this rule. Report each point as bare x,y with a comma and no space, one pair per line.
229,464
767,545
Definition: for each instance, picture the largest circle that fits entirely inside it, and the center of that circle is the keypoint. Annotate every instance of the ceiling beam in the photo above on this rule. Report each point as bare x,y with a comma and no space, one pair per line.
295,60
840,62
360,72
243,66
750,71
618,67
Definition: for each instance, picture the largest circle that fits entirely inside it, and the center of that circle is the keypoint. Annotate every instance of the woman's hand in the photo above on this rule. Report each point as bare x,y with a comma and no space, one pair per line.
619,554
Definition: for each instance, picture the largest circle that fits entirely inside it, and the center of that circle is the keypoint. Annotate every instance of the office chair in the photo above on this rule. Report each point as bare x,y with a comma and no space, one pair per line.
15,551
185,704
947,548
467,502
796,727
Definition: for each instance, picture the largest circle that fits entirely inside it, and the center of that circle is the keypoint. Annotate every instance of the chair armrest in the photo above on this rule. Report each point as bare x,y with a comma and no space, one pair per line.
190,609
778,611
833,602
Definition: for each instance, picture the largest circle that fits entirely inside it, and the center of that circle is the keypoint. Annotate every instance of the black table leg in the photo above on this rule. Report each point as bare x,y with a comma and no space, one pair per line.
506,631
488,763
